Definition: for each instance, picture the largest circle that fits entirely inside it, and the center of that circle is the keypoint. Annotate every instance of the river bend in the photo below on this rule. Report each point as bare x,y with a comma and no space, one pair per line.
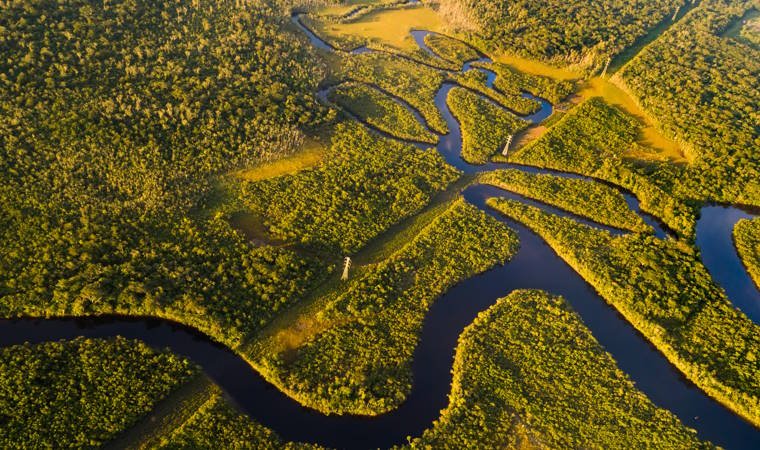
535,266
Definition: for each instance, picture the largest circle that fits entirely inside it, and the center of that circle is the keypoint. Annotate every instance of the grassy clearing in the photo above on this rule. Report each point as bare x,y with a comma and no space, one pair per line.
519,385
534,67
389,27
253,228
528,135
649,136
311,154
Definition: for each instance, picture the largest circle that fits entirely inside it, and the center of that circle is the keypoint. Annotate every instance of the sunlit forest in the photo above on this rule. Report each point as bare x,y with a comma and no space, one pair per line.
349,224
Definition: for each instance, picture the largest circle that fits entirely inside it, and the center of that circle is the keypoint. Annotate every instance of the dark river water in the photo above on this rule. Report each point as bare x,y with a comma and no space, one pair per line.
536,266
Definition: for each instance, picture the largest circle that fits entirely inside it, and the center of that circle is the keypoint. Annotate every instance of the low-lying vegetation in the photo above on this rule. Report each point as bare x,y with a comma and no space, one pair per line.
593,200
311,153
381,111
664,290
520,382
485,126
81,393
366,184
359,360
747,240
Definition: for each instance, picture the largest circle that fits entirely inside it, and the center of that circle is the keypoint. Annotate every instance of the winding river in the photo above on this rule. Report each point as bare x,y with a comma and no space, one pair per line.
536,266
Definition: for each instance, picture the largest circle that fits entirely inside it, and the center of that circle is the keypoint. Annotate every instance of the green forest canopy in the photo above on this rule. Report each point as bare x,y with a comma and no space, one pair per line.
81,392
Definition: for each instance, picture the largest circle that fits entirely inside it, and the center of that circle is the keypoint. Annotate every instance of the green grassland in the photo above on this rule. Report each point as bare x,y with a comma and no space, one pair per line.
513,379
485,126
747,240
381,26
311,153
595,201
355,354
379,110
662,288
